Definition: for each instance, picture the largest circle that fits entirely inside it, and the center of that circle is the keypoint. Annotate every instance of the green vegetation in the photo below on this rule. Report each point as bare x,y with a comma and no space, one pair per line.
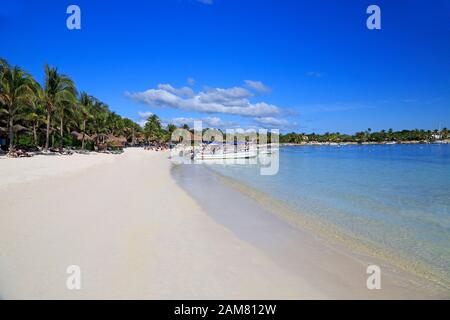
55,115
368,136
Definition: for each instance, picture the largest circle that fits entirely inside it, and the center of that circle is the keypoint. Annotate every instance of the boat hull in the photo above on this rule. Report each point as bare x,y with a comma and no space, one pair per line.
231,155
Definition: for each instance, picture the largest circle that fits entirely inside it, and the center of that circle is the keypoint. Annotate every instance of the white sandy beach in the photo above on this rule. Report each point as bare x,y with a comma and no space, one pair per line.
136,234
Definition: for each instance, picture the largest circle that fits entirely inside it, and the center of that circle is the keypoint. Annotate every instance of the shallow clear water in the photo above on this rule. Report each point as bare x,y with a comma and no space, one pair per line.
394,196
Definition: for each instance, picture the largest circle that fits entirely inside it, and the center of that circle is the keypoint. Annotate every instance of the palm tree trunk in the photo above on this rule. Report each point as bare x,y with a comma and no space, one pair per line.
11,134
35,134
47,134
84,132
61,131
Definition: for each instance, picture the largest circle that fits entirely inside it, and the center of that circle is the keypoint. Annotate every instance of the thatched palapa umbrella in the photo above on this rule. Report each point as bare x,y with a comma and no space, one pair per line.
118,142
81,137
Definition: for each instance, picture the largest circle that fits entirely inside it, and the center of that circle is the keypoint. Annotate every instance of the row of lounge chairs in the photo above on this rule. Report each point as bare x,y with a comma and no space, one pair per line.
29,152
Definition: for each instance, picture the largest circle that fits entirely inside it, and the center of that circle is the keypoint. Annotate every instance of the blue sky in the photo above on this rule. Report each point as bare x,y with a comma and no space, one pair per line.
296,65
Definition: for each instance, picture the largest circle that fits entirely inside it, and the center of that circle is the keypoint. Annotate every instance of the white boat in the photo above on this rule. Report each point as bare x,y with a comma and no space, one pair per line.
226,155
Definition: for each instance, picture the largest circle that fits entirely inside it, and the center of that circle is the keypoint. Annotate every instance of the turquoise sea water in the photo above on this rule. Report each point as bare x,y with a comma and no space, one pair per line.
396,197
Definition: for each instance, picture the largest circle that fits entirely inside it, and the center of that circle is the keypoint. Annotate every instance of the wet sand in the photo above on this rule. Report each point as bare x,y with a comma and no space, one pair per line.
333,268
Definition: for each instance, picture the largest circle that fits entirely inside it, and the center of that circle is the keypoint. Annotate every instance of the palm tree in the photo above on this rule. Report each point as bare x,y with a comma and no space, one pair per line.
171,128
36,112
58,91
130,129
63,108
15,94
115,124
85,109
100,112
2,108
153,130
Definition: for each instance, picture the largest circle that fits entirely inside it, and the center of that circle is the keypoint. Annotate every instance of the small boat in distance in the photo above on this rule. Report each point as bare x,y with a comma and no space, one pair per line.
226,155
220,151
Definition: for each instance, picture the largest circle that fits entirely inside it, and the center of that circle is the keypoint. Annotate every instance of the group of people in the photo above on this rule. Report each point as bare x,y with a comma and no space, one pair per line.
156,147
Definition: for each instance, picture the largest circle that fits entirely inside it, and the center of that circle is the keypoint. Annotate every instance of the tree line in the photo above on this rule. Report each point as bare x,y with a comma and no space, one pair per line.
368,136
55,114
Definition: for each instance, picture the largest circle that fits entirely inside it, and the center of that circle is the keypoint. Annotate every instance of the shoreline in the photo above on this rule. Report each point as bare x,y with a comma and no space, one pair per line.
137,234
261,218
316,143
338,238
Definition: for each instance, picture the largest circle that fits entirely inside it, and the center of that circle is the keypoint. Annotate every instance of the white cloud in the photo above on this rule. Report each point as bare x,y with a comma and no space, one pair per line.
144,114
184,91
233,101
231,96
142,122
258,86
272,122
213,122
